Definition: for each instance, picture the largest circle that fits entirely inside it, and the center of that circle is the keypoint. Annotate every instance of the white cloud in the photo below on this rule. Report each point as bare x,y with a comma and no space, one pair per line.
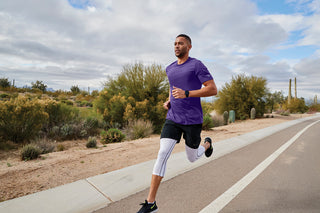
64,46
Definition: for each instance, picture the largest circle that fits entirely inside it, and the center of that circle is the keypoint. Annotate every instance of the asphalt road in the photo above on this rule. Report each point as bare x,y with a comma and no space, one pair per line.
291,183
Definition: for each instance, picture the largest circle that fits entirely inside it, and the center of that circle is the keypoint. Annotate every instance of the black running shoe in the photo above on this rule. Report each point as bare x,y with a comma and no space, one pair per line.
209,151
148,208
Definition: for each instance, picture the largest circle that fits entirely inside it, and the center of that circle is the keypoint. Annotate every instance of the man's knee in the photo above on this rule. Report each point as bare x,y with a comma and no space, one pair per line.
191,158
162,154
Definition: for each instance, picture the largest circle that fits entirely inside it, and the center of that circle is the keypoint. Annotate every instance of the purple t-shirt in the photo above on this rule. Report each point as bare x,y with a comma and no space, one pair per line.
187,76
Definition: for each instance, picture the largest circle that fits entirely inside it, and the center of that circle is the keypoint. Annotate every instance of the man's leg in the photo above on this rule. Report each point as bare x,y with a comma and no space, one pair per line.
155,183
166,147
195,154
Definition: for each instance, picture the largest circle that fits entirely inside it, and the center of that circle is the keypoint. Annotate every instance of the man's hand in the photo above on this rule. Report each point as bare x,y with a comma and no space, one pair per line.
166,105
178,93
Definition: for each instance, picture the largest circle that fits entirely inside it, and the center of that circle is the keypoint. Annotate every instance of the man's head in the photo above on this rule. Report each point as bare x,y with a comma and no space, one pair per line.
182,45
186,37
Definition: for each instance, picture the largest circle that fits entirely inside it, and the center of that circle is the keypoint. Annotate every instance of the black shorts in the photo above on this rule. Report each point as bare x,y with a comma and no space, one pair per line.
191,133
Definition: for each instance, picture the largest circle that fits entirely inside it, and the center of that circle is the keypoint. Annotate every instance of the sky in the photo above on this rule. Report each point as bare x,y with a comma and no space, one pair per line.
81,43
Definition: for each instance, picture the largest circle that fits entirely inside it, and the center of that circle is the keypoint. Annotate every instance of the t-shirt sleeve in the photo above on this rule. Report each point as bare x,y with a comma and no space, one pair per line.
203,73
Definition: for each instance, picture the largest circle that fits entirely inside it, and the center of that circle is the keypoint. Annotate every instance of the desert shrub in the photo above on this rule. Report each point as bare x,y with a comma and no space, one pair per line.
4,83
39,85
207,107
60,113
112,136
4,96
138,92
45,145
54,133
7,145
30,151
66,131
296,105
91,125
274,101
75,90
78,130
242,94
83,133
207,122
285,113
67,102
60,147
21,119
314,108
92,142
85,103
139,129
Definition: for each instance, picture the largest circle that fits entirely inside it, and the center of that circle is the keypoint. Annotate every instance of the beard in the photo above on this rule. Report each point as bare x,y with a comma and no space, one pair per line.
181,53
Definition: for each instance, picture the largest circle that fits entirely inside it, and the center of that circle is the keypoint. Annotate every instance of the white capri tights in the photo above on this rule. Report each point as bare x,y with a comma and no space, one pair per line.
166,147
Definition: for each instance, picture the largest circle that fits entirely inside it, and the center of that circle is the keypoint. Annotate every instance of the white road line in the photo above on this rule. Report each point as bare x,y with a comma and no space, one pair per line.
232,192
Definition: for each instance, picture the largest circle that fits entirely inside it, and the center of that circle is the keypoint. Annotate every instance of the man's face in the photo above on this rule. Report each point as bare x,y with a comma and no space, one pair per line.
181,47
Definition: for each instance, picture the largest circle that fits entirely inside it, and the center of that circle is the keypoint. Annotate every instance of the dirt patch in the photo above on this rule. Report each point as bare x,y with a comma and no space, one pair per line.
19,178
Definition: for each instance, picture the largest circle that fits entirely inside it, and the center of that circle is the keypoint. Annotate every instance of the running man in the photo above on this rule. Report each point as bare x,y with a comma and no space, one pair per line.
186,77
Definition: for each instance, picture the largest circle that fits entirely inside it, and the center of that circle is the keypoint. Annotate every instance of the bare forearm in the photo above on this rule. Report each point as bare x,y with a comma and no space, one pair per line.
209,89
203,92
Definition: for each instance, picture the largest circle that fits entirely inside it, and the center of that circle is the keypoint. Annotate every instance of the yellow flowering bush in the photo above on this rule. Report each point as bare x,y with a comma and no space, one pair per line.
21,119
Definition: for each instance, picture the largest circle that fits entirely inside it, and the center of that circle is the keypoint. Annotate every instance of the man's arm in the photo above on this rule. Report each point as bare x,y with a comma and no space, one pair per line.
209,89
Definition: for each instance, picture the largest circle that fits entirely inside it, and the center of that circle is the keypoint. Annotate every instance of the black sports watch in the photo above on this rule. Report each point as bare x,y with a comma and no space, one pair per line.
186,93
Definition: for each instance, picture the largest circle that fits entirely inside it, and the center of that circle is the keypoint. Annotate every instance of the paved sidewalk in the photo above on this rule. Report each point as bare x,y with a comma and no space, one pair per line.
96,192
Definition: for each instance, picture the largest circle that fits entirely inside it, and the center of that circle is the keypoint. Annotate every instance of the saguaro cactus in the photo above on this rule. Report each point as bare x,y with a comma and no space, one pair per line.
295,88
315,99
232,116
253,113
289,95
225,117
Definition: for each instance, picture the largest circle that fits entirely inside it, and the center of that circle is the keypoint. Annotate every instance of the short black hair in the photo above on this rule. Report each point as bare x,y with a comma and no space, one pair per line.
185,36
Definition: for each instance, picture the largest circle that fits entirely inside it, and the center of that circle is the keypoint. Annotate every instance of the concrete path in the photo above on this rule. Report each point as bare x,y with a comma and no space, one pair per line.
96,192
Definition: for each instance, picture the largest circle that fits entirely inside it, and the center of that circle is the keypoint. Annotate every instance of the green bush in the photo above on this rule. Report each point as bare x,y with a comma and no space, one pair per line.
207,122
67,102
92,142
54,133
30,151
91,125
112,136
139,129
242,94
138,92
4,96
21,119
60,113
207,107
4,83
296,105
314,108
